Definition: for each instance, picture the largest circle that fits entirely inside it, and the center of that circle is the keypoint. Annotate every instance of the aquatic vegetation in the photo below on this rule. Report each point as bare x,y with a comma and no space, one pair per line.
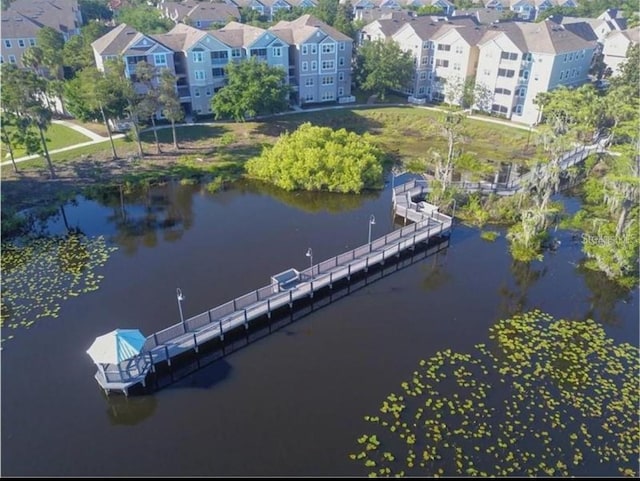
544,397
38,276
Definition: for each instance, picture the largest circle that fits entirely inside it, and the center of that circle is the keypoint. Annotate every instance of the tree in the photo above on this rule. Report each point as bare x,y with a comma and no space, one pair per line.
145,19
22,94
33,58
51,42
95,10
115,72
78,53
95,95
326,10
424,10
8,120
320,159
344,20
253,88
149,101
170,102
383,66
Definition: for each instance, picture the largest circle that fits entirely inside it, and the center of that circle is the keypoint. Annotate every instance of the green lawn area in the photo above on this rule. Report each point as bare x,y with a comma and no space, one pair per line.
57,136
406,133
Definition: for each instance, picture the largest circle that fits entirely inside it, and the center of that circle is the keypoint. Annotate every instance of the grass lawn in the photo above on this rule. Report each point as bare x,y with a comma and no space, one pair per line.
57,136
406,133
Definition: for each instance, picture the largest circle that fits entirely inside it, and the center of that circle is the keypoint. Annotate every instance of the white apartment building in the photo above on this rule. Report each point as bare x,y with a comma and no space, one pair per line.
442,52
616,46
517,61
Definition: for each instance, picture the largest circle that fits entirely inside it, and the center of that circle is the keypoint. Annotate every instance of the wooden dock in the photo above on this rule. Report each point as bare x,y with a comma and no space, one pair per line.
285,289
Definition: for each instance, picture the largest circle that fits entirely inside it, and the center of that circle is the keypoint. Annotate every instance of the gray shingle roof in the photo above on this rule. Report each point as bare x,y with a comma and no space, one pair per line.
304,27
57,14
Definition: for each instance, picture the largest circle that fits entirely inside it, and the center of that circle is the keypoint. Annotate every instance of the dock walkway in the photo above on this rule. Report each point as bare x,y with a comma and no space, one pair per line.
426,223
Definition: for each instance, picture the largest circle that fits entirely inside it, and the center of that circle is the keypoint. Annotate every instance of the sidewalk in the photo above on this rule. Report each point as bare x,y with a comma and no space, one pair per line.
95,139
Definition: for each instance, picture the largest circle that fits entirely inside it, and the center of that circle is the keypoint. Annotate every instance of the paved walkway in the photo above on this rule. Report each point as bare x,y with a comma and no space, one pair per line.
96,138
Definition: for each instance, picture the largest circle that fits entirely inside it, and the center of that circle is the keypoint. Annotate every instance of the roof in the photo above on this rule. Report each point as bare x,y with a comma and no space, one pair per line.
304,27
192,35
482,15
174,41
542,37
119,40
241,35
61,15
633,34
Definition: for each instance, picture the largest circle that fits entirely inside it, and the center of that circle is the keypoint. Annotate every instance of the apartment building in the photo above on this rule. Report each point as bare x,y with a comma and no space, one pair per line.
443,53
199,14
133,47
268,8
23,19
519,60
381,29
616,46
320,60
527,9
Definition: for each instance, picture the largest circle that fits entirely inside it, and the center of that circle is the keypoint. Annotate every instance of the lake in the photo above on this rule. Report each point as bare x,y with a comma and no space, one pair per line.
292,403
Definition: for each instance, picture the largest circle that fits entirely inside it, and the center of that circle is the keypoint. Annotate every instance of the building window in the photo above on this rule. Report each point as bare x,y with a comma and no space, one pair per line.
442,63
574,73
12,59
459,49
277,51
305,50
519,109
32,42
421,91
219,56
328,65
456,66
236,53
499,108
565,57
198,24
199,75
308,82
198,57
328,95
7,43
328,48
160,59
207,92
524,74
341,61
196,92
1,59
341,76
444,47
340,92
259,52
314,49
561,74
503,91
305,66
314,66
571,57
423,75
342,45
527,57
308,98
217,72
509,56
21,43
327,80
503,72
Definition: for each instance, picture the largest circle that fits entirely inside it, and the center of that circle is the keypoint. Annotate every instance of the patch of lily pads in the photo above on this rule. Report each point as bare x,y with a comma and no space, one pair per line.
40,274
545,397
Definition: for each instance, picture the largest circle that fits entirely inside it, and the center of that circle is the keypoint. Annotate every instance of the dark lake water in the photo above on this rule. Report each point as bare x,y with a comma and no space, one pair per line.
291,403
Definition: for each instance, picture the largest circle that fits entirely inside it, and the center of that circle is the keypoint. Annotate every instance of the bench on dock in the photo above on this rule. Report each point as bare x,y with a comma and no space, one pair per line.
285,280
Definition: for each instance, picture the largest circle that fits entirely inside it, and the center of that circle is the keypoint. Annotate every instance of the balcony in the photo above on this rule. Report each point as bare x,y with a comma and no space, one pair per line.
184,93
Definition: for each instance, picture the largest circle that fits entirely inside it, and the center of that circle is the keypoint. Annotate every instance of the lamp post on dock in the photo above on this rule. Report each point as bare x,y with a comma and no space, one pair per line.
180,299
372,221
309,254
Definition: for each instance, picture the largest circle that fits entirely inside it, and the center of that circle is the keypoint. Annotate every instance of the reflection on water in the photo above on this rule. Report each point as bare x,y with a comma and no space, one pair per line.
309,201
143,212
525,275
129,411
